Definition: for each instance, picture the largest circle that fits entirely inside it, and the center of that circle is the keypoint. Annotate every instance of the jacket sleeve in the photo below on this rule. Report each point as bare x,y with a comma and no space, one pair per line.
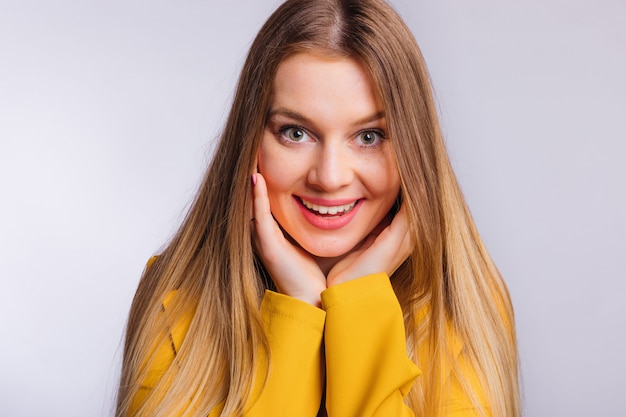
294,385
368,369
164,356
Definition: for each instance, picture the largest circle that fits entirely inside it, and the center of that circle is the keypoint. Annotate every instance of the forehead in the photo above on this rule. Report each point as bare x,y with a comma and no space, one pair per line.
319,84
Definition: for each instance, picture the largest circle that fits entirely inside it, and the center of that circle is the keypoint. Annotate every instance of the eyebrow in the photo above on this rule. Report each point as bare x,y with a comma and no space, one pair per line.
301,118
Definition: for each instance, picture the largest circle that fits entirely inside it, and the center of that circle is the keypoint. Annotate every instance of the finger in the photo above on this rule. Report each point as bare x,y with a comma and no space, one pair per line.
393,245
399,227
262,214
401,232
251,207
268,237
384,223
255,171
400,224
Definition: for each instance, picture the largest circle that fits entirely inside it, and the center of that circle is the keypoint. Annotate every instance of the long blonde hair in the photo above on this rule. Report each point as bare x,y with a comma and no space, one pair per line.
211,263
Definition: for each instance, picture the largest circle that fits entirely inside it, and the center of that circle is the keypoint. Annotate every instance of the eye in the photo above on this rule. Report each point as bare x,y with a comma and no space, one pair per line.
294,134
370,137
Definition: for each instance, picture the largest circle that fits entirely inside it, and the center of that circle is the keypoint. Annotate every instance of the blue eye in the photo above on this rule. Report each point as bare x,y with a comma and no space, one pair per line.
370,137
294,134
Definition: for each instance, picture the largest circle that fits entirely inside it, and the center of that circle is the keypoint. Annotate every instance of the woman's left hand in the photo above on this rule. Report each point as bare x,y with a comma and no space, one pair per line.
381,251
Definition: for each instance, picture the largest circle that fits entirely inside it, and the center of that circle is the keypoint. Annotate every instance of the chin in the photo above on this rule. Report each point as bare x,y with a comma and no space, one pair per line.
331,250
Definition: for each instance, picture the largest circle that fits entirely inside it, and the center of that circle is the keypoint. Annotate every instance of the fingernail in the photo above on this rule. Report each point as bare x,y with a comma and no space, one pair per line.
253,179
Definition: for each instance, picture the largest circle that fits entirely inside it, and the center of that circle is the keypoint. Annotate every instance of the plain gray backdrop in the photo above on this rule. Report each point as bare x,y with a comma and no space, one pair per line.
108,112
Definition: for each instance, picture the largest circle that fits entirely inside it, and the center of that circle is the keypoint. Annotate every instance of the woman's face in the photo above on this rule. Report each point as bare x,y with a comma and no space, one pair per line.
325,154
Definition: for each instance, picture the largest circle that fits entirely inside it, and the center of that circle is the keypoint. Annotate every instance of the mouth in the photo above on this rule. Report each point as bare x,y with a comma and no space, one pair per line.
328,211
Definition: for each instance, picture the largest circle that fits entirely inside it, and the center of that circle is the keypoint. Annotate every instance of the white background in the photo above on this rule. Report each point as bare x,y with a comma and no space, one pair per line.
107,115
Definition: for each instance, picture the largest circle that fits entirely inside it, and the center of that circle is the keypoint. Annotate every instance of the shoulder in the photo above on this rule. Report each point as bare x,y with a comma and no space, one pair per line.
151,261
176,325
453,342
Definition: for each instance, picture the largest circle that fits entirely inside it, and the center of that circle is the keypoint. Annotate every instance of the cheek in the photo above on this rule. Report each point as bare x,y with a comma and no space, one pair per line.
276,168
382,177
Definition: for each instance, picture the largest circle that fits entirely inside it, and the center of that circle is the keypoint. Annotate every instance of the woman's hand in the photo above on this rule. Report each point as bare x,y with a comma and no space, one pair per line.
384,250
293,270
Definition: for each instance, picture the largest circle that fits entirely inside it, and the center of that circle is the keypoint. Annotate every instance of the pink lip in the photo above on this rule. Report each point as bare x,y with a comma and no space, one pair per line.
326,202
328,223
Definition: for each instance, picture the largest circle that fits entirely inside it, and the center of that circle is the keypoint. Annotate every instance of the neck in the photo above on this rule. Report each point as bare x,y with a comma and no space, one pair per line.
326,264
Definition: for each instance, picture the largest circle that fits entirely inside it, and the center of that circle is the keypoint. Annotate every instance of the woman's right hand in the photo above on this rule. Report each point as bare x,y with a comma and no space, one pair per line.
293,270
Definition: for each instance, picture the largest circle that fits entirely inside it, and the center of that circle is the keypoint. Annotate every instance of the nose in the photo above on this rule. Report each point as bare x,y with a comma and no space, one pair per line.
332,167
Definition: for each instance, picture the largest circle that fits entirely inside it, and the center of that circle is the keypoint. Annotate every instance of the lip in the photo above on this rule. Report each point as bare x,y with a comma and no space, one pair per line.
327,202
328,222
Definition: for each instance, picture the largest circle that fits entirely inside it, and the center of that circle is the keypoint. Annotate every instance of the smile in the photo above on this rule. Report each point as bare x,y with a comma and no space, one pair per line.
328,210
331,215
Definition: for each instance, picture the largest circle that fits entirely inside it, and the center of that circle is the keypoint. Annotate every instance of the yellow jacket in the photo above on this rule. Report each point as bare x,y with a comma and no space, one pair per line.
354,350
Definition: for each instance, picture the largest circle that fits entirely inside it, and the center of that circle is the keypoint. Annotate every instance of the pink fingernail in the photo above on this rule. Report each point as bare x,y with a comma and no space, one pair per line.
253,179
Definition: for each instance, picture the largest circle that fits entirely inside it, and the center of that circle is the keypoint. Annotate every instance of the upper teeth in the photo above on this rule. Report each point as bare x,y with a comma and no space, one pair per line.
328,209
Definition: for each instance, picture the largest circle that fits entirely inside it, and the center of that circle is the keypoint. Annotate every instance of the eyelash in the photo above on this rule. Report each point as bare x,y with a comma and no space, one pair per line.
381,138
283,131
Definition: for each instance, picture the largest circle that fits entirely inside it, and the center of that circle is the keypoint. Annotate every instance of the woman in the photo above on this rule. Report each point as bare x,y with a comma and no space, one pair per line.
329,264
